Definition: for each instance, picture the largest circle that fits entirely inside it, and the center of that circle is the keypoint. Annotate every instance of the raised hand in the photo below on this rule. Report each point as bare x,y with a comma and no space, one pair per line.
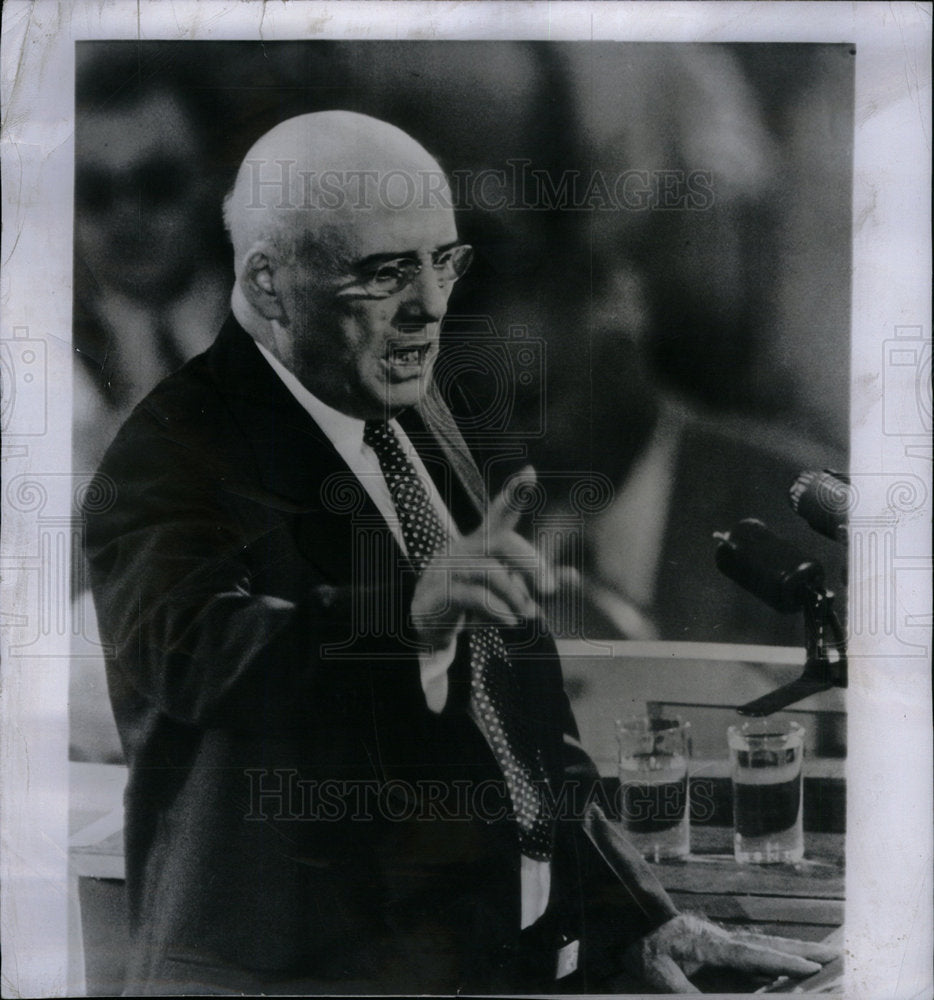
492,576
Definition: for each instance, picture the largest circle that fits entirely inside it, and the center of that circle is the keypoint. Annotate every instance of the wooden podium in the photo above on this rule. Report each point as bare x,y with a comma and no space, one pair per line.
606,681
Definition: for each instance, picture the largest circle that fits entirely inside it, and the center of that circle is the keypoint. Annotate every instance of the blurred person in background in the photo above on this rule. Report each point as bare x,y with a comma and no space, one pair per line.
150,278
148,272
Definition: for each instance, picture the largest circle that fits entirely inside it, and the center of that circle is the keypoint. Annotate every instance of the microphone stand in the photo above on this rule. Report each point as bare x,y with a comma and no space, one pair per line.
826,664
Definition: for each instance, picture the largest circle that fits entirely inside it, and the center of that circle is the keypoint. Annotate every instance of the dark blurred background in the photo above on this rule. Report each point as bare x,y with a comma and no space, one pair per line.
668,360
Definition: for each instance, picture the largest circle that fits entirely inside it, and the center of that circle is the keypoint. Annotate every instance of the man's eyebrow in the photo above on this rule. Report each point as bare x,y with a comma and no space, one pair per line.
375,259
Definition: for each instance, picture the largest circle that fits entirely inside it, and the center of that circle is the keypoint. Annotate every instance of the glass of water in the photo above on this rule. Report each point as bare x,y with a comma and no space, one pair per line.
765,763
653,776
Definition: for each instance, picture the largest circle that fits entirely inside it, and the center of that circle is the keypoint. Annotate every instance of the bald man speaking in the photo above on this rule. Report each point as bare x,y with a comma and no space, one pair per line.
353,767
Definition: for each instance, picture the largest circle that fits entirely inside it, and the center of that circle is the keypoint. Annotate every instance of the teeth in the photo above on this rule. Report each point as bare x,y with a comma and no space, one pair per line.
407,356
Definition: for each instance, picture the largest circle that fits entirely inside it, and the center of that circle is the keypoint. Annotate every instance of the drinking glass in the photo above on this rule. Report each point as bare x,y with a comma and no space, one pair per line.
765,759
653,775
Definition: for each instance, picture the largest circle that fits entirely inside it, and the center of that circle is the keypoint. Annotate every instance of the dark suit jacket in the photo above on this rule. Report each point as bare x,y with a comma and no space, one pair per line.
297,819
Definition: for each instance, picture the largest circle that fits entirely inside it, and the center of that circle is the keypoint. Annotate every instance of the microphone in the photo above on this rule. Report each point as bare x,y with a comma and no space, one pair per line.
824,500
787,580
767,566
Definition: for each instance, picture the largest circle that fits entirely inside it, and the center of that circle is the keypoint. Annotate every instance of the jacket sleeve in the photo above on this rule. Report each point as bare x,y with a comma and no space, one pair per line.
600,875
174,568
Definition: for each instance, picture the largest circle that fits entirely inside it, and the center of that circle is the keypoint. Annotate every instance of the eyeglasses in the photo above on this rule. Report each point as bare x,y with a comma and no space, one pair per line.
392,276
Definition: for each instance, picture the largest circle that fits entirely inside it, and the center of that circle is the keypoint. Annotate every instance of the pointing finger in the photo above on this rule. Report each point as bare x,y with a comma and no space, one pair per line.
753,958
500,516
817,951
503,514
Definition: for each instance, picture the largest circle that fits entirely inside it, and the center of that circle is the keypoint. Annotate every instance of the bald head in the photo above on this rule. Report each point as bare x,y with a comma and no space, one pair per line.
302,183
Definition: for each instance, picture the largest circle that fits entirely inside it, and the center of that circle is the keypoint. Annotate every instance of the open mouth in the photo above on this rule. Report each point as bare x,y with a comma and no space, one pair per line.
408,356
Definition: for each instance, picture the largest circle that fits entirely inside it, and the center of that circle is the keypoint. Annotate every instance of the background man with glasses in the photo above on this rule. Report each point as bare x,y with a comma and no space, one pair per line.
353,767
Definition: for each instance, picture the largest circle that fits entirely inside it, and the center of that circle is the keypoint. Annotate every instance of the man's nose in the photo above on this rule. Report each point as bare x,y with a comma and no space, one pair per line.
426,298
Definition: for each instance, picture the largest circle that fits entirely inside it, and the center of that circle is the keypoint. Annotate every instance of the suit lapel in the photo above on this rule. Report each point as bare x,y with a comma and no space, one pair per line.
288,446
443,430
298,468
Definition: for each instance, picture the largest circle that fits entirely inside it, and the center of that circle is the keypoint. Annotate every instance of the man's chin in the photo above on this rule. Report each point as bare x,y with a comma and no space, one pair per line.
402,395
403,385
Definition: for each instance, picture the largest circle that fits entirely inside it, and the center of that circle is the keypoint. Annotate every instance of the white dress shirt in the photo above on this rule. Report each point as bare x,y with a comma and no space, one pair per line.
346,434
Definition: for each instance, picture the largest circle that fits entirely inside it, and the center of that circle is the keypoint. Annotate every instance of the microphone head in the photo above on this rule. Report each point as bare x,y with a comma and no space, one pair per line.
824,500
768,567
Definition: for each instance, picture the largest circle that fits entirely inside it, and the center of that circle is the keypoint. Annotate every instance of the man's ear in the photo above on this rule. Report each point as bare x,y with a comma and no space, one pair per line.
258,281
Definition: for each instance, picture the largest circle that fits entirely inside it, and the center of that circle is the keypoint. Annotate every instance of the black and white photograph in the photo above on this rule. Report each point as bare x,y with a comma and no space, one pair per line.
470,486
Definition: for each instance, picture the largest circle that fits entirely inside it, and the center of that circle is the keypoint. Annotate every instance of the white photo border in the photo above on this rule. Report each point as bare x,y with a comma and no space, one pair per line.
888,934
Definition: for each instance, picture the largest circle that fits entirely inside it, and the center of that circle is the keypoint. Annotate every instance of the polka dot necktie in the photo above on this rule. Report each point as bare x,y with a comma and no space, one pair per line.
494,685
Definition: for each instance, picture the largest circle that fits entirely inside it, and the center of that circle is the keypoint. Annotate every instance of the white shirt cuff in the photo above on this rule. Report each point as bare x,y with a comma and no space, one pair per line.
536,888
433,668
